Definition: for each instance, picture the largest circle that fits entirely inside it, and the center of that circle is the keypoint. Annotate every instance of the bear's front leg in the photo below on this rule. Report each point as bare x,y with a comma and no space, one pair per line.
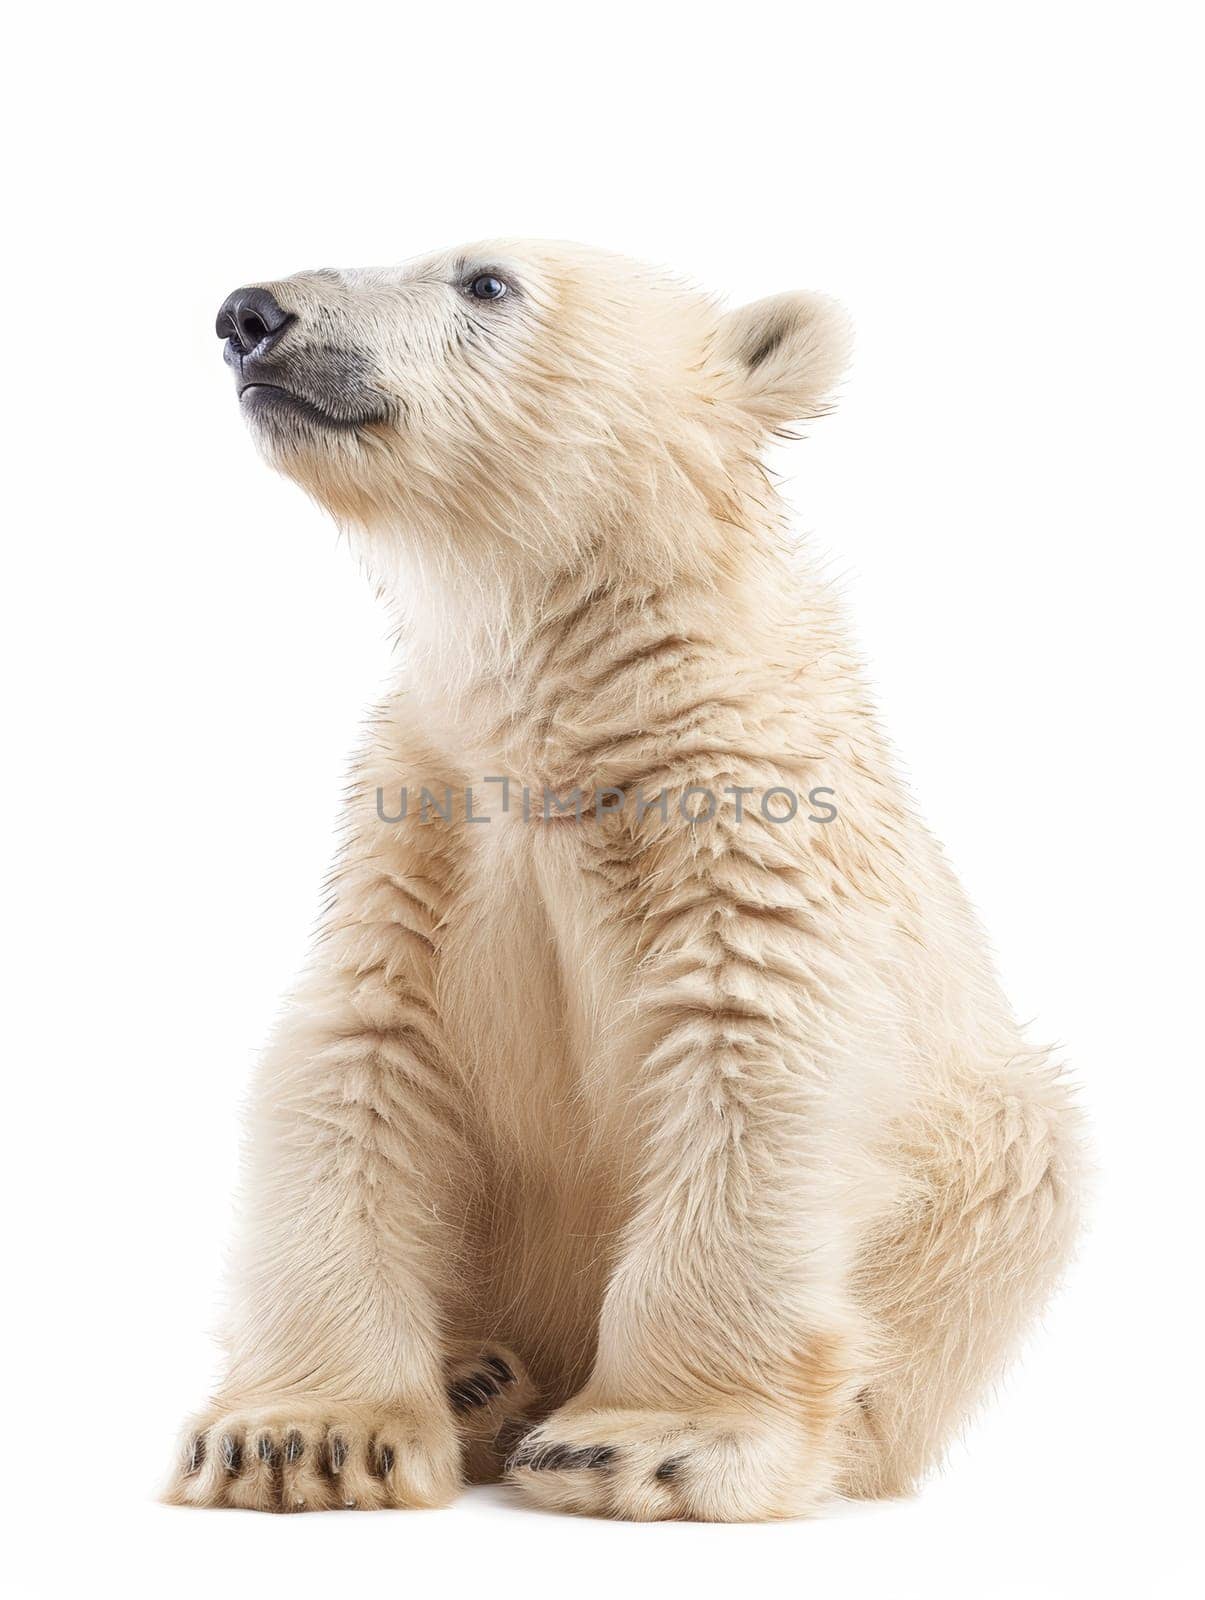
335,1388
730,1353
359,1174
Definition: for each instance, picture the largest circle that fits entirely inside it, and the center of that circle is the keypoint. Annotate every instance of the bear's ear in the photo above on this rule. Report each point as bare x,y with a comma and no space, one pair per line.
782,357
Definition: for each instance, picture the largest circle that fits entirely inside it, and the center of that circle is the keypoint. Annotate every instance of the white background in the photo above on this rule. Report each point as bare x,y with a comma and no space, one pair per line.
1005,197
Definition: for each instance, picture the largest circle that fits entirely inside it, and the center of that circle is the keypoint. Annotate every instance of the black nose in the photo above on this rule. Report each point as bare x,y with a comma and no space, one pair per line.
252,320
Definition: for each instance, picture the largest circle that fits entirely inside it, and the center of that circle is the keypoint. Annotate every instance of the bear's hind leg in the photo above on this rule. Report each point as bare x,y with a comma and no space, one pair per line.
966,1264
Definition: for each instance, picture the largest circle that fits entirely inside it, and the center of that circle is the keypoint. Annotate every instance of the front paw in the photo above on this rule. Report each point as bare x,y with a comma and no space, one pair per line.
711,1465
314,1455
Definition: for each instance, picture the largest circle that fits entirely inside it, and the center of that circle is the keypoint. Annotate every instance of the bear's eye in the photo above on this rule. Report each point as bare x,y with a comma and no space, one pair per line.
487,287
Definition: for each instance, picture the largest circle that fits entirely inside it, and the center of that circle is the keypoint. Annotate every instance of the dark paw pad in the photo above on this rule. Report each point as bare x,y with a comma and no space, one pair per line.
668,1470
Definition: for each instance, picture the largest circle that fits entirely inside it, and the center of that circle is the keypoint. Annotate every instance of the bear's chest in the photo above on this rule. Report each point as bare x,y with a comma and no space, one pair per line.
539,1002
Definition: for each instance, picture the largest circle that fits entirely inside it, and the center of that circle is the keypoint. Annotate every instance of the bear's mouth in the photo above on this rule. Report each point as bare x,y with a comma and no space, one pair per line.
261,398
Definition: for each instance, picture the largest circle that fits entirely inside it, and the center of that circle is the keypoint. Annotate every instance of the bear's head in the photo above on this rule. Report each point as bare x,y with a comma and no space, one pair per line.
535,401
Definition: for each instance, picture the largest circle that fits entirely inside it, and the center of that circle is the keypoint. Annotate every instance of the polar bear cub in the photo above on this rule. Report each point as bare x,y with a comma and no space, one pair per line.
649,1126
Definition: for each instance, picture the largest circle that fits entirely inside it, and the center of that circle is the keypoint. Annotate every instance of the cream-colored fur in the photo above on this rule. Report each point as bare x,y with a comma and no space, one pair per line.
717,1136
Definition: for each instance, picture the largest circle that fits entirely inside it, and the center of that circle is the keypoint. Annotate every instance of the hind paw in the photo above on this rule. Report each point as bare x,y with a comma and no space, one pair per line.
490,1395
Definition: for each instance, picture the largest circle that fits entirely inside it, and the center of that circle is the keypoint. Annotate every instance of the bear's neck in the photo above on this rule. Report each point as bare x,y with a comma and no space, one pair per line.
513,670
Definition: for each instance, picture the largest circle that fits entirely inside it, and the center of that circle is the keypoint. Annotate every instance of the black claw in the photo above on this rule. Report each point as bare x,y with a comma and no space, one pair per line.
498,1366
294,1446
563,1457
336,1453
266,1450
668,1469
385,1460
474,1391
521,1453
195,1455
232,1454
